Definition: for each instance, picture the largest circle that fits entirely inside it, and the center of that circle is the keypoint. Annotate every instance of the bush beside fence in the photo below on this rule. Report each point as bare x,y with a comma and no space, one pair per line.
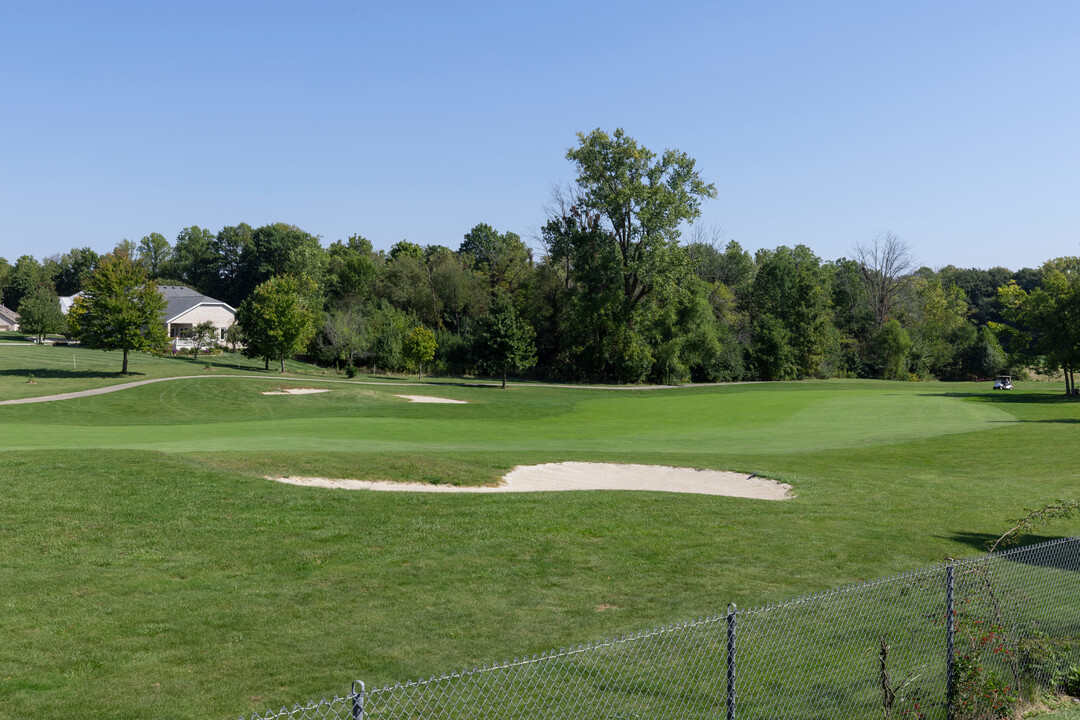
963,639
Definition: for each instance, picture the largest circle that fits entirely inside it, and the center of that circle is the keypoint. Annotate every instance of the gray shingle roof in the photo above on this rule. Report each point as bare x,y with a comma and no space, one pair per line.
180,299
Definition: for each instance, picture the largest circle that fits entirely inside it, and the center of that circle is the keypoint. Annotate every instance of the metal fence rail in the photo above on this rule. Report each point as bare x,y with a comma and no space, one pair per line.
946,642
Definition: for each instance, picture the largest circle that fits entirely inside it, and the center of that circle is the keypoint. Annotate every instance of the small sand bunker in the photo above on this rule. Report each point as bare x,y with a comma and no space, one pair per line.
296,391
589,476
430,399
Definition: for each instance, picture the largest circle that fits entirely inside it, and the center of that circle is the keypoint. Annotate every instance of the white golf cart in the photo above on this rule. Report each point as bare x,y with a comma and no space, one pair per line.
1003,382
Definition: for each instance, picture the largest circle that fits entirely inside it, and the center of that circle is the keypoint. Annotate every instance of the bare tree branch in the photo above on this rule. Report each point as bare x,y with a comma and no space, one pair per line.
886,265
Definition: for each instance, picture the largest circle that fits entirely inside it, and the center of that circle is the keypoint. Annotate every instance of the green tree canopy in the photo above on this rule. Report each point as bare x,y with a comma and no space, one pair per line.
419,347
503,341
1044,324
504,258
26,275
228,249
192,258
276,319
641,201
73,269
120,309
40,313
154,252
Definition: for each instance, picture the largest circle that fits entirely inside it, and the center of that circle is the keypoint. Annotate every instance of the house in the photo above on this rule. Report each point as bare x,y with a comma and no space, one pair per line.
186,308
66,301
9,319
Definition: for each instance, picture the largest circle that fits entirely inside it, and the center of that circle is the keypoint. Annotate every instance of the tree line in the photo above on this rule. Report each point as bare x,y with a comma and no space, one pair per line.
620,292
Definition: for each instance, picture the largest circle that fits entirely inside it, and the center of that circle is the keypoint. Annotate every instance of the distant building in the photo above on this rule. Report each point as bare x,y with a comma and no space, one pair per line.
9,319
67,300
184,309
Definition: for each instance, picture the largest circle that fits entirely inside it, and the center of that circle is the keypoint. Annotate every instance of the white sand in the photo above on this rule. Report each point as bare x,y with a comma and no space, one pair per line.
430,399
296,391
589,476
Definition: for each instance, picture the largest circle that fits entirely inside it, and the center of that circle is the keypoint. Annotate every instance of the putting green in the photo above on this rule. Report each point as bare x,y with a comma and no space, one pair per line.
226,414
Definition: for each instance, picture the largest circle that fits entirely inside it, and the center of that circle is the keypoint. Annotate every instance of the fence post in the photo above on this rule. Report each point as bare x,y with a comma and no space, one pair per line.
731,611
950,638
358,701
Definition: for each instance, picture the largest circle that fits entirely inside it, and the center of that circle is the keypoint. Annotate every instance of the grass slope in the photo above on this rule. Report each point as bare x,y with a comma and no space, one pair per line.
148,571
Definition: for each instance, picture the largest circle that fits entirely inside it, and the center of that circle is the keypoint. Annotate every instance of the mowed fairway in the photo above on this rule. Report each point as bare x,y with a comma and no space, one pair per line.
148,569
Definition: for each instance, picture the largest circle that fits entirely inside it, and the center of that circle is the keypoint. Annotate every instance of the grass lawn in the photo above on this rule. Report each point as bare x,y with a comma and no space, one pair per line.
147,569
62,369
1067,709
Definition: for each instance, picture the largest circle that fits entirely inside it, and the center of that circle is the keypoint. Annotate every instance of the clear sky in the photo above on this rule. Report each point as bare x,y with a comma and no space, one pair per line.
952,124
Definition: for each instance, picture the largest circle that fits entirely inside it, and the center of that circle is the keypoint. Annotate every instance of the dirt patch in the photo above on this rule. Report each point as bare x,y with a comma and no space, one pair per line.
561,477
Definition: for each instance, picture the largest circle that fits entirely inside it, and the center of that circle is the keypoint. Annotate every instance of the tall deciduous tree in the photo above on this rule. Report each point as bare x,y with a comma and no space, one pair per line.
40,313
1044,324
502,257
641,201
26,275
886,264
228,250
282,249
120,309
276,319
193,258
74,268
503,341
154,252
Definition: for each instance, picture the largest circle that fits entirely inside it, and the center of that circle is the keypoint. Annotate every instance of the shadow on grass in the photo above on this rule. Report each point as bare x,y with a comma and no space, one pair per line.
66,374
1013,398
1049,558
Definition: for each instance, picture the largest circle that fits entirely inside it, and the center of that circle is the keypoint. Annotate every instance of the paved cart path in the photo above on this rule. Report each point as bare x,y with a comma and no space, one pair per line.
285,378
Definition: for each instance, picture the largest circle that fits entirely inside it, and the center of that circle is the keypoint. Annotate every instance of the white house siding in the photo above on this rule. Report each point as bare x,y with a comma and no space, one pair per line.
222,318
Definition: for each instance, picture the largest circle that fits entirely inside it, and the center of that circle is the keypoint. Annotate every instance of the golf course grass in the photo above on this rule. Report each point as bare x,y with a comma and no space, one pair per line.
149,570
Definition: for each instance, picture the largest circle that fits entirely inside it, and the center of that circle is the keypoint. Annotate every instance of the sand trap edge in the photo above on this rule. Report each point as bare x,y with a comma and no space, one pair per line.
296,391
432,399
570,476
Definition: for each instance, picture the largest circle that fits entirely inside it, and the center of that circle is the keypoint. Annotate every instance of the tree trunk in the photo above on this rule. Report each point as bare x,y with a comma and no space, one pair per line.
124,371
282,364
266,360
504,380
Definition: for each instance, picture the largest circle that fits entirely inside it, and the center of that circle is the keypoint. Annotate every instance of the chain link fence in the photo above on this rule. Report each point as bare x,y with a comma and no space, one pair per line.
964,639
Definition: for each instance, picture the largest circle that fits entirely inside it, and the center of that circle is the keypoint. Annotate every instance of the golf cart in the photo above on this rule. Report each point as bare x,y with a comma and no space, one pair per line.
1003,382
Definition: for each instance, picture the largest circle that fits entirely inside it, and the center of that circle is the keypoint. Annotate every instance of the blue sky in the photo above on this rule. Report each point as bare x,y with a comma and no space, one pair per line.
953,125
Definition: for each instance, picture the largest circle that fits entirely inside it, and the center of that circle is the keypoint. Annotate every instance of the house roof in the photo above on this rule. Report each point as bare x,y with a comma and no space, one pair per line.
8,314
67,300
180,299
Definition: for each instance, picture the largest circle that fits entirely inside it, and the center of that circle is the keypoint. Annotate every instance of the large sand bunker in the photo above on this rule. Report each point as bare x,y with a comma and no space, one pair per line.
589,476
